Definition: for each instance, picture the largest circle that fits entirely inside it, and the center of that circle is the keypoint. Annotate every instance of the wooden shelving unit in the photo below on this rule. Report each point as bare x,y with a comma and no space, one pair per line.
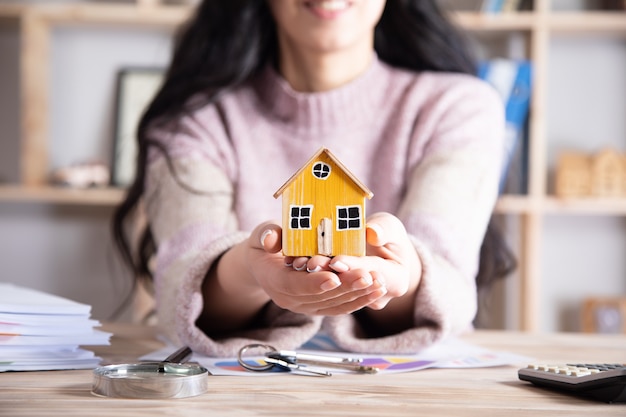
538,26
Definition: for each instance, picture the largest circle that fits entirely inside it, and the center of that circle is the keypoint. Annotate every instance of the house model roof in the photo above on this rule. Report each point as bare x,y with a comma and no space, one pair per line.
366,191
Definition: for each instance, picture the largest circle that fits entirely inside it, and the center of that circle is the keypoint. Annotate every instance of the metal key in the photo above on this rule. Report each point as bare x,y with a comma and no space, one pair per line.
322,361
301,362
294,366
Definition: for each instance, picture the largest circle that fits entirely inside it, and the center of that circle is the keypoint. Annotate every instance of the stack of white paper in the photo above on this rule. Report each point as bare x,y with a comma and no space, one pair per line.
40,331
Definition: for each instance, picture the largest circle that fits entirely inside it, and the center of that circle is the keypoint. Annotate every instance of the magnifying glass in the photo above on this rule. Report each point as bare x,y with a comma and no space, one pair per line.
174,377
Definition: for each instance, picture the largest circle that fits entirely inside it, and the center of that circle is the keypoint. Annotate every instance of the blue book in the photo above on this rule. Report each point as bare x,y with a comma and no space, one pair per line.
492,6
513,80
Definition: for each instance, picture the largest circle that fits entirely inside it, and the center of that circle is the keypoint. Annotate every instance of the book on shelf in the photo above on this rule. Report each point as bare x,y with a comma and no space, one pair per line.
510,5
525,5
491,6
614,4
41,331
512,80
516,179
499,6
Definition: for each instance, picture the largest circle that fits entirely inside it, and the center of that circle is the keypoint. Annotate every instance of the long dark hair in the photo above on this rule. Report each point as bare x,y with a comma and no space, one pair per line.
226,43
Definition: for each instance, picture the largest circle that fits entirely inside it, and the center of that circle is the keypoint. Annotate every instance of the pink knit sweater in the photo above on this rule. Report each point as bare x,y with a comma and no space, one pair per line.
428,145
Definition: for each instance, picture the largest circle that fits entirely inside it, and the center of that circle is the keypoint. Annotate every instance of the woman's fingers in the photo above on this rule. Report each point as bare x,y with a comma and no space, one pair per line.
321,285
372,296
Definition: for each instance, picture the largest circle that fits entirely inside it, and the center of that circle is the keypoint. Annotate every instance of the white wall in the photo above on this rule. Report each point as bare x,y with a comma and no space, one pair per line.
62,250
583,255
83,74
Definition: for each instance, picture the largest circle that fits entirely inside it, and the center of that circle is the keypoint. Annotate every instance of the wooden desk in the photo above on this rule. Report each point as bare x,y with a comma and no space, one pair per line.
434,392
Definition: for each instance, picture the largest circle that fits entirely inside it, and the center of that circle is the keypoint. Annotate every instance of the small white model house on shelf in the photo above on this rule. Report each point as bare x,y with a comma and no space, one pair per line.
323,209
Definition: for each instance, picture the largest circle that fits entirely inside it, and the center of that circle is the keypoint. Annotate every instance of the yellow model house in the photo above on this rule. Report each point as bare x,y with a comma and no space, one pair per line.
323,209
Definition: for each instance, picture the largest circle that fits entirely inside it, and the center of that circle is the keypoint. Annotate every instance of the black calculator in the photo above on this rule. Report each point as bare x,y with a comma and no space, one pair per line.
604,382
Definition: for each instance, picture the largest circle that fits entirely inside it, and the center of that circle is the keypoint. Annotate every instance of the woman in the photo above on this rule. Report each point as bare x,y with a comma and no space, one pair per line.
254,89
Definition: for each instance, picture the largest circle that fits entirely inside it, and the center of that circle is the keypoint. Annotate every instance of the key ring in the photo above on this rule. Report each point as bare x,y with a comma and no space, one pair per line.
255,368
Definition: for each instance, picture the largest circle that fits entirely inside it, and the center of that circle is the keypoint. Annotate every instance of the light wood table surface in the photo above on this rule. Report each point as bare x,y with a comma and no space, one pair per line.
432,392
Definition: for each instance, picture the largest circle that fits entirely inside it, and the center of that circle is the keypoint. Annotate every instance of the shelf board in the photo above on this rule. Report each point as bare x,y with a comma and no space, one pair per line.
513,204
104,197
506,204
551,205
475,21
168,16
584,206
173,15
588,22
583,22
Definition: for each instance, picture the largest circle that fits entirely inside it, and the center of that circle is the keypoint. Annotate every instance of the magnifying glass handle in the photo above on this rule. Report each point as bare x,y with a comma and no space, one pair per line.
182,355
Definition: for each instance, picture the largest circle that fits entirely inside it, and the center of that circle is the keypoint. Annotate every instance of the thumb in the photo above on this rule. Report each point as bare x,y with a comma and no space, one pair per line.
383,228
267,236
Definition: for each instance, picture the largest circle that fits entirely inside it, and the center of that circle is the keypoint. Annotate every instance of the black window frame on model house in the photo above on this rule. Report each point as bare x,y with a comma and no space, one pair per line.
300,217
321,170
349,217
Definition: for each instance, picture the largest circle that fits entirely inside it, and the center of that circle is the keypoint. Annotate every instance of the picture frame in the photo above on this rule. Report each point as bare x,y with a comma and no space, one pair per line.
604,315
135,88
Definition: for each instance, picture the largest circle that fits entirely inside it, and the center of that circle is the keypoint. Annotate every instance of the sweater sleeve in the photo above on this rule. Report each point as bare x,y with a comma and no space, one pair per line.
189,204
451,192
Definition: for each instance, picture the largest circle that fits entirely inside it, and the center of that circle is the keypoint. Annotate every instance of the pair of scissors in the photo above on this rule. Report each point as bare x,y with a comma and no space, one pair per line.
307,363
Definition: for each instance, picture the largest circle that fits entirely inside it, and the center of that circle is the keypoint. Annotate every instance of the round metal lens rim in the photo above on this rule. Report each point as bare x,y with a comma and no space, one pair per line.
160,380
